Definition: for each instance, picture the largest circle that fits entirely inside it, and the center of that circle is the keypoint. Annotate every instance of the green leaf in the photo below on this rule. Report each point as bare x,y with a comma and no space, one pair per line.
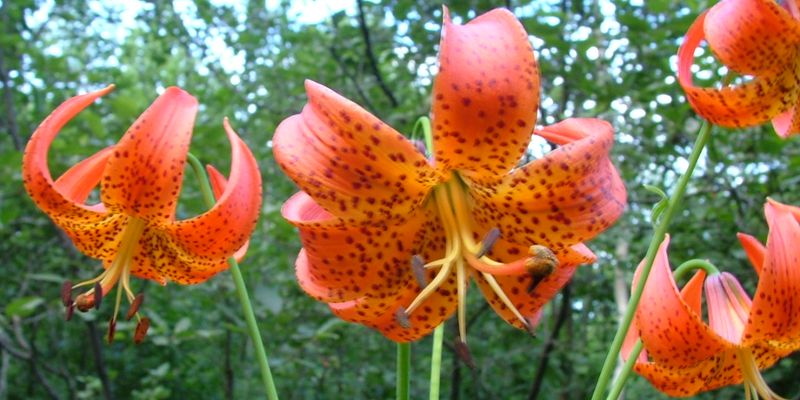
23,306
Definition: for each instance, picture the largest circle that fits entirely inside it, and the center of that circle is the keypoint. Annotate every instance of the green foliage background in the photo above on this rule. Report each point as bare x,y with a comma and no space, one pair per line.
613,60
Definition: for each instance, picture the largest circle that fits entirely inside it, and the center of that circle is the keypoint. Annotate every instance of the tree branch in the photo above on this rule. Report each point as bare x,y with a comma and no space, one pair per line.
97,352
362,23
8,98
549,344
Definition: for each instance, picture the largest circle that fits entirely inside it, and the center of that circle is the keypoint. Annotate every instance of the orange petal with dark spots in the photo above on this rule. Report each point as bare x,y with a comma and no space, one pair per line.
161,259
567,197
342,262
144,175
684,382
776,303
754,37
673,334
431,313
351,163
64,209
766,96
218,183
226,227
485,96
530,304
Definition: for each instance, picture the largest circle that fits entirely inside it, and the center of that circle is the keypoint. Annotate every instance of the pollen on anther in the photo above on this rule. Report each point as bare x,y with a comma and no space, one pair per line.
66,293
418,267
137,302
141,330
98,295
402,318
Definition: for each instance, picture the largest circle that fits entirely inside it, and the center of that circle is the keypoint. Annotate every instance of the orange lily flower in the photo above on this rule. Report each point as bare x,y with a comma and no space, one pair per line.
683,355
758,38
133,230
373,208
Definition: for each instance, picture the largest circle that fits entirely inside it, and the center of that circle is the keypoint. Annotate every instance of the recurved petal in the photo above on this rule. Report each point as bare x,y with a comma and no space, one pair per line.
567,197
787,123
776,304
518,288
672,333
754,249
144,175
63,208
351,163
751,103
485,96
752,36
226,227
77,183
684,382
218,184
342,262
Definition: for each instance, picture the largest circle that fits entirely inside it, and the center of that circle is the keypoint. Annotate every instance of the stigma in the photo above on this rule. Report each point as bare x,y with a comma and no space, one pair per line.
116,275
464,256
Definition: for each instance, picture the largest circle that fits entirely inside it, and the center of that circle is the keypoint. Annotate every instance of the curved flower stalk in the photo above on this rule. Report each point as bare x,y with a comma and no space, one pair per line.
684,356
133,230
756,38
392,238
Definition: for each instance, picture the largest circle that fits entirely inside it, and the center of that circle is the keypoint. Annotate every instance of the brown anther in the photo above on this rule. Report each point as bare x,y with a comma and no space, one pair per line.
70,309
112,328
141,330
66,293
84,302
488,242
98,295
418,267
137,302
462,351
541,264
402,318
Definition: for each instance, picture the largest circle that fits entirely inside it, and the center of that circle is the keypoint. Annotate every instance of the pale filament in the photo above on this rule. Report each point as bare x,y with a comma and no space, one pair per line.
460,252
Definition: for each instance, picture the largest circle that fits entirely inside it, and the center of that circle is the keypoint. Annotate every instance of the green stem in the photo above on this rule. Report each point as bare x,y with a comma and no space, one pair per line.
680,273
403,367
436,361
424,123
658,237
241,289
692,265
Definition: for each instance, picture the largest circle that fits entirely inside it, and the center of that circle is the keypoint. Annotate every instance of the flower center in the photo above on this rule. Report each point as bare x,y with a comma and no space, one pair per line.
118,272
463,256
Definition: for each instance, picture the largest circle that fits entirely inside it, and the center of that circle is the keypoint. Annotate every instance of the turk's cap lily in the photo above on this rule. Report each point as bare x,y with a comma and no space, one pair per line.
683,355
133,230
391,238
756,38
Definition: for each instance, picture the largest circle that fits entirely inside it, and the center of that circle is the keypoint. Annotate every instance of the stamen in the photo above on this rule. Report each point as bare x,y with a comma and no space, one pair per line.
112,328
504,298
70,309
461,284
137,302
401,316
752,376
418,267
66,293
141,330
462,351
488,242
98,295
431,287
